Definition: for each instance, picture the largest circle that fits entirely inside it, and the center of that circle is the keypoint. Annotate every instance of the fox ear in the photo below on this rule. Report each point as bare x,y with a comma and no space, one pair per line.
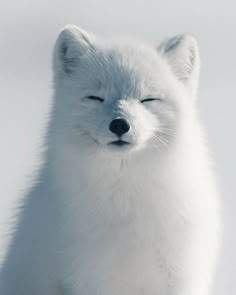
71,44
182,54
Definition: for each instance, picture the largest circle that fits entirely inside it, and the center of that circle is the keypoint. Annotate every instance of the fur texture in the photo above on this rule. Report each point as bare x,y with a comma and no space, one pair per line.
134,218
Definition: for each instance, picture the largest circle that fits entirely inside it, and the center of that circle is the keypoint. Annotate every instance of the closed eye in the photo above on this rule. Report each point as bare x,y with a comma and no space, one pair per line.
95,98
149,99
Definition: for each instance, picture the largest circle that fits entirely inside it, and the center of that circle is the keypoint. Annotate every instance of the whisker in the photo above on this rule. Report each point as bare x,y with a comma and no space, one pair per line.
161,139
157,139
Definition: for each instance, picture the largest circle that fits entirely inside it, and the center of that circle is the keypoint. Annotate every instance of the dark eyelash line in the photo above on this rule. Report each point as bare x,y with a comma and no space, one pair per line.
102,100
149,99
95,98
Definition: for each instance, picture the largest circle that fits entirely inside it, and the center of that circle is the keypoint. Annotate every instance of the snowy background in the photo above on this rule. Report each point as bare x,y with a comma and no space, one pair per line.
28,30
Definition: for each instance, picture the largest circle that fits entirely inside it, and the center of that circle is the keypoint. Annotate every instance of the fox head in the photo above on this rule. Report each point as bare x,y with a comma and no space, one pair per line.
123,96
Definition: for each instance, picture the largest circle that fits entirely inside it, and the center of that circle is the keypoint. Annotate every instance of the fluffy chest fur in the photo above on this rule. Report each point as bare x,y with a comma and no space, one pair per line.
137,220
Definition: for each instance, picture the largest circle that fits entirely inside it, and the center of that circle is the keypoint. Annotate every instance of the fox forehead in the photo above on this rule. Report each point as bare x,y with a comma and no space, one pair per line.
122,70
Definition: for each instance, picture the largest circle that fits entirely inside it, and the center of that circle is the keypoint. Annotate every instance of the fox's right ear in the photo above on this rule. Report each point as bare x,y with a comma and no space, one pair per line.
71,44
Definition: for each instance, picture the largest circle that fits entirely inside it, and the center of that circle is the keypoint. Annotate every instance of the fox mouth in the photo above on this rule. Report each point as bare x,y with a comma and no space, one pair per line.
119,142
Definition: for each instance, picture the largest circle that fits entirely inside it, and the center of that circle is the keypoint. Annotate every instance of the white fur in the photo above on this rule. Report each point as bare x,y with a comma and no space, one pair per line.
130,220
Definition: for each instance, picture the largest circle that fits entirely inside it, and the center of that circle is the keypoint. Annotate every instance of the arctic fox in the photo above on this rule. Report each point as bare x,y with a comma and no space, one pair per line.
126,201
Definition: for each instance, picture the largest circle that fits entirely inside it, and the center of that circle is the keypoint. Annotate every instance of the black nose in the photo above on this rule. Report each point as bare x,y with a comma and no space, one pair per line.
119,126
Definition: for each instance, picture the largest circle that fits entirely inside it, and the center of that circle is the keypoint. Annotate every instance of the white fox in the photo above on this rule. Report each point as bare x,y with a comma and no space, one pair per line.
126,201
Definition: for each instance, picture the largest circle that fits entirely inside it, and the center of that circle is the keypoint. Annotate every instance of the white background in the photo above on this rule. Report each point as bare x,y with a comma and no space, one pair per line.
28,30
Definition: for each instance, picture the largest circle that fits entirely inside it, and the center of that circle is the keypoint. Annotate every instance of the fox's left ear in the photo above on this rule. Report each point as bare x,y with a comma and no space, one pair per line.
182,54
